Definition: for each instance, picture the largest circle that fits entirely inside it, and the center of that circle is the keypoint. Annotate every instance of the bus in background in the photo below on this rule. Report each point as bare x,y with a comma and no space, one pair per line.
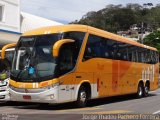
77,63
5,67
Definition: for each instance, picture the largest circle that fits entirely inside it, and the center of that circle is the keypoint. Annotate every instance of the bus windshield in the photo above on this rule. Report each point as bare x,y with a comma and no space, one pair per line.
33,59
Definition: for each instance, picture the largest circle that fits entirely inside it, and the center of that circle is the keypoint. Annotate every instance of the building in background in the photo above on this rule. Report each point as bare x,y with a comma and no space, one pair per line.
29,22
9,21
13,22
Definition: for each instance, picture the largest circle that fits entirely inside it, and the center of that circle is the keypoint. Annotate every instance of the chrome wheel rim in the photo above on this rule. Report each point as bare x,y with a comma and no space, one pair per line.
83,96
146,90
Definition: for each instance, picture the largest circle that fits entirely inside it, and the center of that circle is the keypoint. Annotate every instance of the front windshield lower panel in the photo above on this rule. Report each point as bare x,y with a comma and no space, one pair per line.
33,59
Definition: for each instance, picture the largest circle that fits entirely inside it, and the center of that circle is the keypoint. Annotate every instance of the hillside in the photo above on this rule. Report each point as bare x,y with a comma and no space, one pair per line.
114,18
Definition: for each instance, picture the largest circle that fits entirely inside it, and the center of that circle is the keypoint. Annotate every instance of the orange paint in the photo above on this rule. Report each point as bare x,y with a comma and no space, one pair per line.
115,75
124,66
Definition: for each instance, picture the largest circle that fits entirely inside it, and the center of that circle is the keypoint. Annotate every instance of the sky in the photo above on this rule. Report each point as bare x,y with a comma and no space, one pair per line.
66,11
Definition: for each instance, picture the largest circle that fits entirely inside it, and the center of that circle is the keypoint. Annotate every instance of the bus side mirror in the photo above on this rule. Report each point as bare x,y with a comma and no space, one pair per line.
3,52
59,44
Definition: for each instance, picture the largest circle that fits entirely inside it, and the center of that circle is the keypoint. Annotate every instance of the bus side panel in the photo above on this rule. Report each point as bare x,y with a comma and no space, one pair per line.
106,76
85,68
150,72
116,83
65,92
125,76
138,75
154,77
104,69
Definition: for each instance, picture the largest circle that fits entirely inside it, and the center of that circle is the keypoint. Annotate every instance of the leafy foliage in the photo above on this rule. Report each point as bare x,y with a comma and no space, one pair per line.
115,18
153,40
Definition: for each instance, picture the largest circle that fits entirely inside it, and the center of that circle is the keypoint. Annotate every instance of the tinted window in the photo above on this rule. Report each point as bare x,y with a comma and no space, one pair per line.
93,47
99,47
122,51
78,37
112,47
69,52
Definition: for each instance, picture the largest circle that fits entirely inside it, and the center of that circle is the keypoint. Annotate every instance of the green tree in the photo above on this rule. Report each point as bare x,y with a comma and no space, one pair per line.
153,40
115,18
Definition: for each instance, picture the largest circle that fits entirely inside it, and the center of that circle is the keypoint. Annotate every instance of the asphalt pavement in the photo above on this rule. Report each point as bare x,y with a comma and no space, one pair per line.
113,105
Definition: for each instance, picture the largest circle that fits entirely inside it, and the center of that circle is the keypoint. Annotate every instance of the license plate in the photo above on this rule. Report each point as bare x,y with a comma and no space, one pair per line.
26,97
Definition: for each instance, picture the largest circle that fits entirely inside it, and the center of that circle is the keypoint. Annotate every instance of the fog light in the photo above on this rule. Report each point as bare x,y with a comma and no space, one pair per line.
51,96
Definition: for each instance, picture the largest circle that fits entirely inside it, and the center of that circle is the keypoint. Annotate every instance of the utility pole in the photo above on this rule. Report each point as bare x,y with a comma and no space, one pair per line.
142,30
142,23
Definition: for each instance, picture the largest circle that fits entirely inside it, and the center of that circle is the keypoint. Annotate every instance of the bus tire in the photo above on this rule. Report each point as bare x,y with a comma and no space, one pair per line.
82,97
146,90
140,91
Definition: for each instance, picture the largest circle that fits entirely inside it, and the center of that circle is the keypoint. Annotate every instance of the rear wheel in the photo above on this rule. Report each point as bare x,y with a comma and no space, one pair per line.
82,97
146,90
140,90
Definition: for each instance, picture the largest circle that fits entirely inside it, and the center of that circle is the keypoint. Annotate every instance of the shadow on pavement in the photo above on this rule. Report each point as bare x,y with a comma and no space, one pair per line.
12,103
67,106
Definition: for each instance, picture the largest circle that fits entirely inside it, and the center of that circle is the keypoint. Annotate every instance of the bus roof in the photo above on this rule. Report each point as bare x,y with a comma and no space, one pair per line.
84,28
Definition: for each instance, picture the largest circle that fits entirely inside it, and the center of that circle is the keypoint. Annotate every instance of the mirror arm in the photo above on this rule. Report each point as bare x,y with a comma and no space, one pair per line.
6,47
58,45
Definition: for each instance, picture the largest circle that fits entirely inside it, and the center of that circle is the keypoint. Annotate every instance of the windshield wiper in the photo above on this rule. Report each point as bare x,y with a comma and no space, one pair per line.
19,73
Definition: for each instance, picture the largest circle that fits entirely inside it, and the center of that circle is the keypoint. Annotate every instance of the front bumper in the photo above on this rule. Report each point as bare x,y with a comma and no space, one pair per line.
4,96
47,96
4,90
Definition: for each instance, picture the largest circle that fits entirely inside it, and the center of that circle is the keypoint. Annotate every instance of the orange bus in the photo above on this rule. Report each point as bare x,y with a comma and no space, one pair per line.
77,63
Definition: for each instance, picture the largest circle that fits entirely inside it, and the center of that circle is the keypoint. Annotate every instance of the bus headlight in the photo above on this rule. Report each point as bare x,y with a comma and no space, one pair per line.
52,96
52,86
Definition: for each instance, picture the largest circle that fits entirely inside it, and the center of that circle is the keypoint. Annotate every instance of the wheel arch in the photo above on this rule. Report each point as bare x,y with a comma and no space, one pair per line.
87,84
140,82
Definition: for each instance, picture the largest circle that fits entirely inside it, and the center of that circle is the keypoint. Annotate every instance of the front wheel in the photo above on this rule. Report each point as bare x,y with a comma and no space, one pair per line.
82,97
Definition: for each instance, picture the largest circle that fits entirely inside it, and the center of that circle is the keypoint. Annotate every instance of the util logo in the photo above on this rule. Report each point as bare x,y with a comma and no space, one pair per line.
148,73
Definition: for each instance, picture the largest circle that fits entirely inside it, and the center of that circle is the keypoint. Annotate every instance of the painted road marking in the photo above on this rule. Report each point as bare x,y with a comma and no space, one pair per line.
110,112
7,110
155,91
156,112
81,109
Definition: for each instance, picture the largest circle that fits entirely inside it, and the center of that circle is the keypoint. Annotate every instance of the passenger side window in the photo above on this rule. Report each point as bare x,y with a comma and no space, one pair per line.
154,57
112,49
66,59
140,54
93,47
122,51
78,37
99,47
